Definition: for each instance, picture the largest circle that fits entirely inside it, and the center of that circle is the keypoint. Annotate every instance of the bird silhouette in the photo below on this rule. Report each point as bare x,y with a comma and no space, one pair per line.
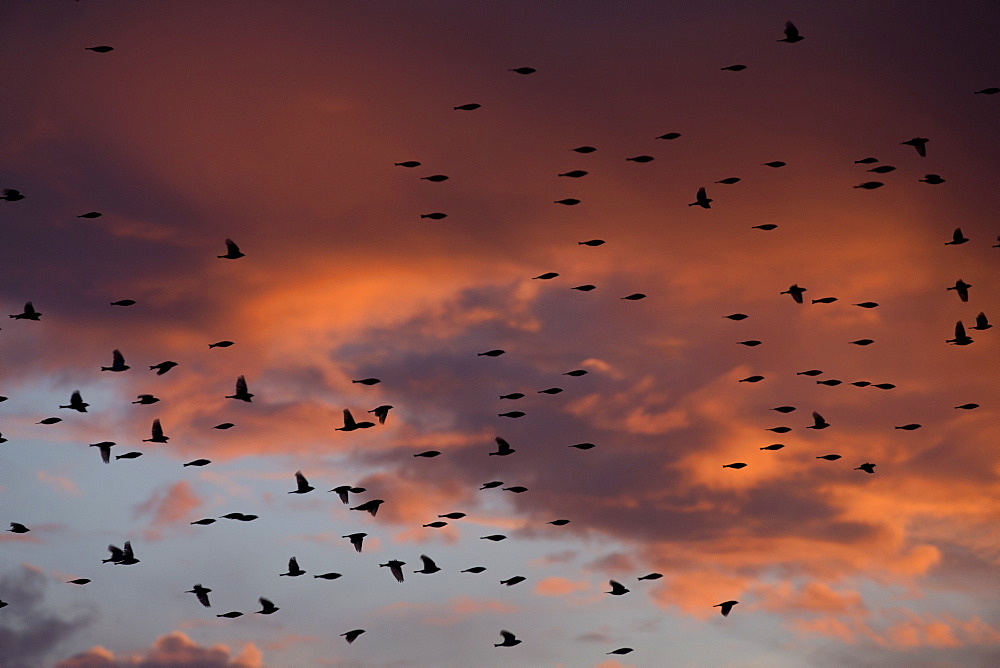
824,300
547,276
156,433
982,322
429,565
862,342
829,458
523,70
650,576
356,540
516,489
494,537
621,651
831,382
584,288
503,448
702,199
576,372
434,215
988,91
408,163
232,251
635,296
736,316
491,485
583,446
592,242
751,379
204,522
773,446
932,179
491,353
568,201
511,581
17,527
795,291
909,427
381,412
242,393
865,161
774,164
730,180
11,195
726,606
435,178
867,467
512,414
558,523
867,304
328,576
128,557
734,68
76,402
100,49
870,185
198,462
233,614
734,465
124,302
780,430
791,34
145,399
129,455
29,313
435,525
163,367
509,640
91,214
453,516
475,569
371,507
343,491
818,422
574,174
584,149
428,453
78,581
239,517
617,588
750,343
266,607
961,288
367,381
351,636
884,386
351,425
641,158
396,567
201,593
513,396
224,425
221,344
105,447
882,169
302,486
670,135
550,390
467,107
117,363
918,143
784,409
293,568
967,407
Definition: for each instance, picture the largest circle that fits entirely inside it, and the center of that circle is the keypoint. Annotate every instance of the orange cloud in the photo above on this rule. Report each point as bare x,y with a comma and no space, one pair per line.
559,586
173,649
172,505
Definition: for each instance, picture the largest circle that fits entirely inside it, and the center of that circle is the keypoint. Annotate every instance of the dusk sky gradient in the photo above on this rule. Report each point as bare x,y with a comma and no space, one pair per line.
278,125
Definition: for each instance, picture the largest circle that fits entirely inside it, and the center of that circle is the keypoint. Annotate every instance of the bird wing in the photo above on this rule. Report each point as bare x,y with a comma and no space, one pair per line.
241,385
231,247
507,636
790,30
157,429
300,481
127,551
349,419
397,570
503,445
429,564
117,358
959,330
293,565
202,597
116,553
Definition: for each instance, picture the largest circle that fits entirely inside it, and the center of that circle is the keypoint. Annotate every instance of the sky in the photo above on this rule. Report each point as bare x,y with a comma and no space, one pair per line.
280,126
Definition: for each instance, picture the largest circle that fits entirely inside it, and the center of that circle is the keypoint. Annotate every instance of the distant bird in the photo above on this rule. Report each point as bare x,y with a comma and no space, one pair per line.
884,386
734,68
11,195
635,296
163,367
550,390
198,462
829,458
50,420
453,516
508,640
381,412
491,353
124,302
128,557
982,323
773,446
371,507
726,606
351,425
302,486
861,383
491,485
730,180
221,344
204,522
435,178
961,288
117,363
224,425
156,433
78,581
583,446
396,567
242,393
569,201
734,465
475,569
865,161
791,34
988,91
862,342
145,399
503,448
512,414
584,288
293,568
513,396
882,169
824,300
870,185
429,565
867,304
117,554
751,379
641,158
76,402
29,313
343,490
780,430
784,409
105,447
621,651
91,214
129,455
428,453
576,372
17,527
650,576
99,49
240,517
367,381
434,215
818,422
435,525
558,523
795,291
351,636
919,143
810,372
408,163
266,607
494,537
232,251
702,199
617,588
932,179
523,70
510,582
201,593
328,576
867,467
774,163
356,540
967,407
592,242
736,316
670,135
467,107
750,343
233,614
547,276
516,489
831,382
3,604
584,149
574,174
909,427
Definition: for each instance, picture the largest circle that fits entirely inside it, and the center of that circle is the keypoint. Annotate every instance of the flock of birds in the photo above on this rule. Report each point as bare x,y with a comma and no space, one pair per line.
125,555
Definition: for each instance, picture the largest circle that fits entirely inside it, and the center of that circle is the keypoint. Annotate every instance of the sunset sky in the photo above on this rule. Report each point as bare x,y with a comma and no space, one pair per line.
279,125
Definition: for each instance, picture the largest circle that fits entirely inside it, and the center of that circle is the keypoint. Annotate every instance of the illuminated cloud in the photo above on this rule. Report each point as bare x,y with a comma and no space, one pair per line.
173,649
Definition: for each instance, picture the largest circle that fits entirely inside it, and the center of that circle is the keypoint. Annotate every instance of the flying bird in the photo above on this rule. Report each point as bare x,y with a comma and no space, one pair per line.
328,576
736,316
494,537
367,381
156,433
751,379
356,540
201,593
734,68
516,489
124,302
523,70
434,215
453,516
774,163
428,453
510,582
617,588
512,414
670,135
503,448
491,485
584,149
773,446
221,344
870,185
163,367
76,402
351,636
351,425
592,242
919,143
435,178
558,523
795,291
867,304
547,276
730,180
576,372
396,567
29,313
293,568
882,169
508,640
583,446
429,565
198,462
475,569
818,422
145,399
11,195
17,527
128,557
99,49
988,91
829,458
204,522
231,615
734,465
961,288
513,396
224,425
232,251
117,363
824,300
302,486
381,412
78,581
621,651
791,34
909,427
491,353
862,342
129,455
650,576
242,394
932,179
702,199
91,214
574,174
370,506
750,343
867,467
467,107
726,606
635,296
105,447
408,163
569,201
584,288
641,158
784,409
343,490
435,525
982,322
266,607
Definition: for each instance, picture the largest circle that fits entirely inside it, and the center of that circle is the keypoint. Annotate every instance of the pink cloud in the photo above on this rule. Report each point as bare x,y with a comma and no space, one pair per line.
173,649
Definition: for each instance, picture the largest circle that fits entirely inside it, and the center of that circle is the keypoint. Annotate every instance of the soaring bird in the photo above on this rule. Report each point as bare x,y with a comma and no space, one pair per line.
734,465
293,568
867,467
453,516
204,522
503,448
302,485
982,322
105,447
882,169
576,372
370,506
475,569
919,143
163,367
407,163
351,636
956,238
328,576
726,606
76,402
232,251
775,164
583,446
569,201
558,523
730,180
429,565
242,394
829,458
356,540
517,489
865,161
343,491
870,185
117,362
513,396
266,607
511,581
435,525
351,425
773,446
78,581
512,414
547,276
201,593
584,149
29,313
91,214
145,399
650,576
124,302
617,588
795,291
509,640
818,422
491,485
670,135
381,412
784,409
961,338
574,174
909,427
791,34
129,455
702,199
156,433
494,537
932,179
396,567
626,650
240,517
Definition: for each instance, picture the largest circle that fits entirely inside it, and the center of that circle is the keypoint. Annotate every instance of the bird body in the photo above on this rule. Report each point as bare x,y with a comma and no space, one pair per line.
726,606
76,402
429,565
242,393
156,433
351,425
232,251
702,199
509,640
117,363
791,34
617,588
201,593
396,567
293,568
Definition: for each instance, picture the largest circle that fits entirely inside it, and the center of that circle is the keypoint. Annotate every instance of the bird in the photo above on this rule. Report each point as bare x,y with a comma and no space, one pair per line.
221,344
546,276
435,178
198,462
961,338
367,381
867,467
736,316
726,606
17,527
396,567
773,446
830,382
967,407
730,180
932,179
791,34
576,372
909,427
91,214
982,322
494,537
266,607
356,540
123,302
232,251
523,70
961,288
11,195
919,143
635,296
156,435
641,158
293,569
862,342
163,367
224,425
617,588
491,353
882,169
370,506
105,447
956,238
734,68
795,291
429,565
128,557
3,604
583,446
867,304
428,453
865,161
328,576
574,174
231,615
467,107
241,394
774,163
145,399
558,523
50,420
780,430
117,363
76,402
511,581
993,90
650,576
584,288
475,569
621,651
550,390
568,201
117,554
240,517
302,486
129,455
670,135
784,409
751,379
434,215
750,343
351,636
513,396
824,300
884,386
351,425
408,163
829,458
453,516
592,242
201,593
516,489
734,465
381,412
702,199
509,640
435,525
491,485
204,522
584,149
818,422
343,490
99,49
512,414
870,185
78,581
503,448
29,313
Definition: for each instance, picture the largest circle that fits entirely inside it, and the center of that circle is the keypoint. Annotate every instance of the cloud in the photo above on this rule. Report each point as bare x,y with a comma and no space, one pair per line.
172,649
169,505
559,586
